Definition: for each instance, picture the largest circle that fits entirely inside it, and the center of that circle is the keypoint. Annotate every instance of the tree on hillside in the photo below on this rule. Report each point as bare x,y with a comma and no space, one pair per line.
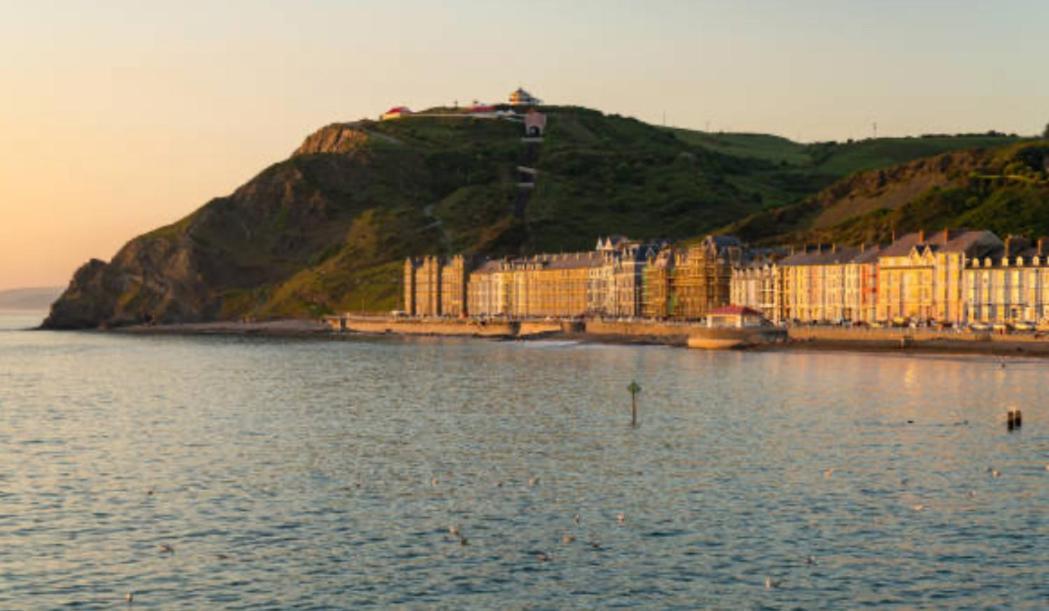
1045,134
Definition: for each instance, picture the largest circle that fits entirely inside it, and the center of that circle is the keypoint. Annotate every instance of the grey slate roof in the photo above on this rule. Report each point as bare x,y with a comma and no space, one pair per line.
974,243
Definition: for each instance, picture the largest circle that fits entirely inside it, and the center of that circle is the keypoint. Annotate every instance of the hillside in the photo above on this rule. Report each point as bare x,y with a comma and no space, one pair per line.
327,229
1004,189
28,298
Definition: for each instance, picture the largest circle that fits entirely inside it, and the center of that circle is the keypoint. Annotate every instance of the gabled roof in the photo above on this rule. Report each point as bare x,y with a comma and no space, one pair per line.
974,243
824,255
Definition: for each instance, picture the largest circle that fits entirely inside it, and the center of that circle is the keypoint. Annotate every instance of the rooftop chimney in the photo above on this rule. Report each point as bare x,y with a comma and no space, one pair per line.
1041,247
921,236
1009,246
946,235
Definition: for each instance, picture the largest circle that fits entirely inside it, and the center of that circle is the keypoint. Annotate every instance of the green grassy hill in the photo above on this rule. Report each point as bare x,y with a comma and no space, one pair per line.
1004,189
327,229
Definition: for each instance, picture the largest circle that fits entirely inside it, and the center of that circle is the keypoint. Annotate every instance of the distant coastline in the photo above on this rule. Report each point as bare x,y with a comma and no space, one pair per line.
28,299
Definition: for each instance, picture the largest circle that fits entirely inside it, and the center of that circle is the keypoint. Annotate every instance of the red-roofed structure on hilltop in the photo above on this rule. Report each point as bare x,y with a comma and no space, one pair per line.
396,113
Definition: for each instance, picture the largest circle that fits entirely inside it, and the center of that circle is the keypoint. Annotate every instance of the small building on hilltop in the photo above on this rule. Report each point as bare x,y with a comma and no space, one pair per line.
535,123
520,97
397,112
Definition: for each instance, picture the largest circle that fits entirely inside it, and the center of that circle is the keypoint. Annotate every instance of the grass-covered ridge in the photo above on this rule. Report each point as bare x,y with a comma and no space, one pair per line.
1004,189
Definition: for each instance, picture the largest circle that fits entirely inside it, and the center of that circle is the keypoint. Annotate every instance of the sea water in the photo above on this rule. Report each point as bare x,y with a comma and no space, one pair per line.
230,472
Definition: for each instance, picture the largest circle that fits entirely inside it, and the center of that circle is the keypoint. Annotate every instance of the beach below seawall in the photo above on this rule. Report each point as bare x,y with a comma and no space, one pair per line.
670,334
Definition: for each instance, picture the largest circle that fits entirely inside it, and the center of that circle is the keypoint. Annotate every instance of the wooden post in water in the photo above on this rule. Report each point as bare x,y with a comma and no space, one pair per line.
1010,420
1018,418
634,388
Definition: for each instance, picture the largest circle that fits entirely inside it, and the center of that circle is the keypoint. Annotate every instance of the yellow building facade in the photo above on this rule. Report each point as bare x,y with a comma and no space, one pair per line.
1011,286
920,277
702,275
434,286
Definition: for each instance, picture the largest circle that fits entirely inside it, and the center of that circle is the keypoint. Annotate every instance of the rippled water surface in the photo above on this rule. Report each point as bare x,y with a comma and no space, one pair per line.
320,474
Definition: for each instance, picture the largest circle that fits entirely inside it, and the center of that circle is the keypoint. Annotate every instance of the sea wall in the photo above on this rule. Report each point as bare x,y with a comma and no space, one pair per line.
693,335
897,333
931,339
424,326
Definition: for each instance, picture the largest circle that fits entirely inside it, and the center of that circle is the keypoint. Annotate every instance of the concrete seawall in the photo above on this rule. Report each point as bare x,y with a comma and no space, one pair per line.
409,326
920,339
676,334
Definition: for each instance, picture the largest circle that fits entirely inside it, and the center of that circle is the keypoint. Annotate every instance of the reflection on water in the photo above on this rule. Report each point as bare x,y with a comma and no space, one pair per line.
301,473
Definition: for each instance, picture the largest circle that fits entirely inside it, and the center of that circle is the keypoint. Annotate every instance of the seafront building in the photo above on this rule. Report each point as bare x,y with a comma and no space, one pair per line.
1010,285
946,277
829,284
435,286
702,275
920,275
619,278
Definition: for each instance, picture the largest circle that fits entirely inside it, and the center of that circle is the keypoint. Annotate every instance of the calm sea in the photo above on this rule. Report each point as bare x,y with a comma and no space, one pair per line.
326,474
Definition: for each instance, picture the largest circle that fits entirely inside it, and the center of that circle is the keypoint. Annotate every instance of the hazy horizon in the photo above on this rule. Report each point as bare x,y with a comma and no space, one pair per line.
123,117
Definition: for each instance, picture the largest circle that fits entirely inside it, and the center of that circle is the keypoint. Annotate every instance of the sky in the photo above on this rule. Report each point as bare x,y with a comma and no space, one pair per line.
121,116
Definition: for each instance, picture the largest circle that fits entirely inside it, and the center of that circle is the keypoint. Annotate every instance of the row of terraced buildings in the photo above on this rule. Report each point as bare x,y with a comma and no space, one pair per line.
948,276
620,278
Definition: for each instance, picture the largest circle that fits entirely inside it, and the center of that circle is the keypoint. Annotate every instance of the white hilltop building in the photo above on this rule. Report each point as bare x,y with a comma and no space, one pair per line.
520,97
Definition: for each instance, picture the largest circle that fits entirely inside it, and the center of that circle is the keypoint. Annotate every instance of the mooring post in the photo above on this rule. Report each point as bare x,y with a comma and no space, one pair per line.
634,388
1018,418
1010,420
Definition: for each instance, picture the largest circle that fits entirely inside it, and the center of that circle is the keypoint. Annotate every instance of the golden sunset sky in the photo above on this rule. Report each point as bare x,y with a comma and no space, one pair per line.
120,116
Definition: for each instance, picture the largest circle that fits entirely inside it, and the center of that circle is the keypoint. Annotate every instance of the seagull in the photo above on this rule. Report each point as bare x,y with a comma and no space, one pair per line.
972,494
454,531
810,560
567,538
918,507
828,472
996,473
166,549
151,490
433,482
772,583
543,557
130,597
533,481
577,519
